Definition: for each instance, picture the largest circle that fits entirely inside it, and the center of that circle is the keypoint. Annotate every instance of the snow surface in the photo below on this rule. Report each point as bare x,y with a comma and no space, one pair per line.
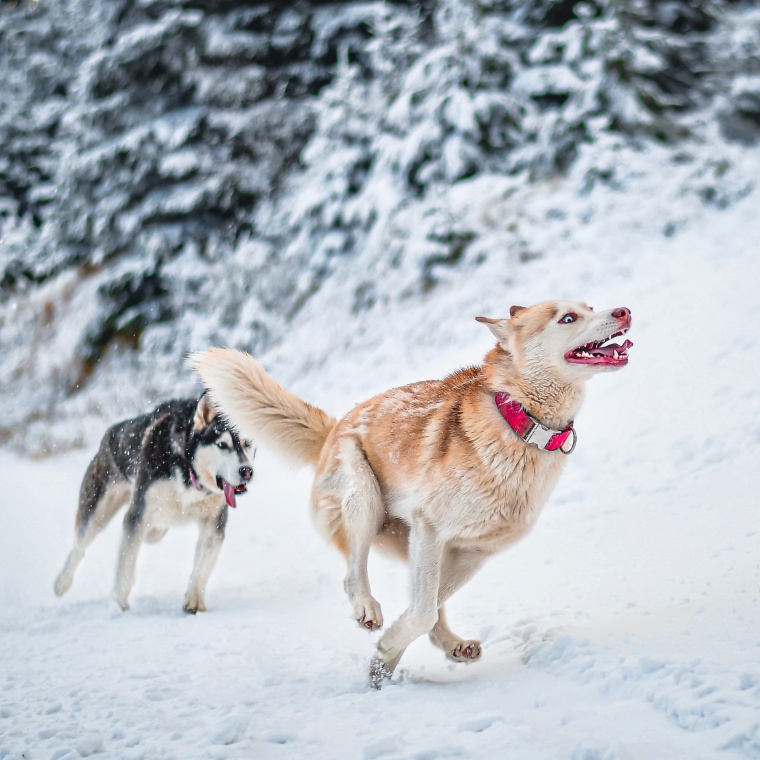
626,626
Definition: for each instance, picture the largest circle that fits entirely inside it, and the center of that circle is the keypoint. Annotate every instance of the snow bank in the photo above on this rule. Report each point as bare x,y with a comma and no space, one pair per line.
625,626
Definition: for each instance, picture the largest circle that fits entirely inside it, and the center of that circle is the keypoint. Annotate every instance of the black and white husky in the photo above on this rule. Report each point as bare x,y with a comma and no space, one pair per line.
180,462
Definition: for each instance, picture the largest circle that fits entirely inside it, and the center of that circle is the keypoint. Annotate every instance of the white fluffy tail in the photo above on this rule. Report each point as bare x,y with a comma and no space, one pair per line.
259,407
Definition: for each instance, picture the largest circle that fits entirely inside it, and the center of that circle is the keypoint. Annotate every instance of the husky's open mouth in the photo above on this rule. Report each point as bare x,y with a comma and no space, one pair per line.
614,354
230,490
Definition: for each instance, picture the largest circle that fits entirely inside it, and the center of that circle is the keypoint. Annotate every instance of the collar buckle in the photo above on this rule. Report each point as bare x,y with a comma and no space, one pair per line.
538,435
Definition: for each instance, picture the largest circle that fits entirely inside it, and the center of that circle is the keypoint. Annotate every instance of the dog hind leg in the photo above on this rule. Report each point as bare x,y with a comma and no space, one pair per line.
349,508
210,540
99,501
133,535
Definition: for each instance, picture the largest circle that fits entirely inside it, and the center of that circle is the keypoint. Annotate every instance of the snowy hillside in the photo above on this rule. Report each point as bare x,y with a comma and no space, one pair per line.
174,174
179,174
625,627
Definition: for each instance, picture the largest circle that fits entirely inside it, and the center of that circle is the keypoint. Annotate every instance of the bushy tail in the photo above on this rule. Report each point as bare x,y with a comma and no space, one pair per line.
259,407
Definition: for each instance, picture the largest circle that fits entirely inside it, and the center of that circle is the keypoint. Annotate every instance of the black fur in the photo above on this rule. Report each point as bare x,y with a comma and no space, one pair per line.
134,456
145,449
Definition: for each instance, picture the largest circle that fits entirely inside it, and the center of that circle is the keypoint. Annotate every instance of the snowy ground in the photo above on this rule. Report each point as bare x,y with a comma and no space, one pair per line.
626,626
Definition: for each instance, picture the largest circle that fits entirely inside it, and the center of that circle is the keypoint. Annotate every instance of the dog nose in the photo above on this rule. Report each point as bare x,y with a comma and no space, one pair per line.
246,473
622,314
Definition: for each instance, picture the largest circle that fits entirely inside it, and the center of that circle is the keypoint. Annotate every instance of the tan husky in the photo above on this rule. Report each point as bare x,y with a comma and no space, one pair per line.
444,472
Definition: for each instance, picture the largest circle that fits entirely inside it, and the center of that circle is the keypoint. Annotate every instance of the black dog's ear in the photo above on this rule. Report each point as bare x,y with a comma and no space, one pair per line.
205,413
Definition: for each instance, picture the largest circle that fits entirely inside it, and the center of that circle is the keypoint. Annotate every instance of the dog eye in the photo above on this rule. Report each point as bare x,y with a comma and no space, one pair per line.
222,445
248,444
568,318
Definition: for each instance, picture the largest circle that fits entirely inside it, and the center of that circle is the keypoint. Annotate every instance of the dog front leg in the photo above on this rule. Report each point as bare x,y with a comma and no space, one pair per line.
210,541
425,557
458,567
132,536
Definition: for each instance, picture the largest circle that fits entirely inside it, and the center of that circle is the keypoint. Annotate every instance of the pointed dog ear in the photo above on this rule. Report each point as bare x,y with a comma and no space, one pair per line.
499,328
205,413
515,310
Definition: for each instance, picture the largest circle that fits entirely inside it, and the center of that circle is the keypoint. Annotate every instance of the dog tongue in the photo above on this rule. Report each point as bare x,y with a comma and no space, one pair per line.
609,349
229,493
194,480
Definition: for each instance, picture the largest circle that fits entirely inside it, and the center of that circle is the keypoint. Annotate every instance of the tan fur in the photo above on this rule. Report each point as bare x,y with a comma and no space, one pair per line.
252,401
430,470
205,413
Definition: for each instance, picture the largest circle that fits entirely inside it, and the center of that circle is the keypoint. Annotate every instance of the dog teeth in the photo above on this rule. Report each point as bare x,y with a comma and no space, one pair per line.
615,354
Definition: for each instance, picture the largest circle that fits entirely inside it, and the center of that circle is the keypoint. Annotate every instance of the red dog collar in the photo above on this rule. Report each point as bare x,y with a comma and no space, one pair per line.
530,429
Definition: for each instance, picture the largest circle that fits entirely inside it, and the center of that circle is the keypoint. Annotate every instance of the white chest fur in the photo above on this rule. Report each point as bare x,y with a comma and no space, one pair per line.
169,502
489,507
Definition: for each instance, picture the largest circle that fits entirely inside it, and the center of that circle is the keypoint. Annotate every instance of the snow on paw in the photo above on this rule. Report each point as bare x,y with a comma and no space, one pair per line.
465,651
379,671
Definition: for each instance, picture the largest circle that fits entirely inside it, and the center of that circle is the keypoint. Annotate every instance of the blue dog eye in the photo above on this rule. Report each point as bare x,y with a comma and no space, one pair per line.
568,318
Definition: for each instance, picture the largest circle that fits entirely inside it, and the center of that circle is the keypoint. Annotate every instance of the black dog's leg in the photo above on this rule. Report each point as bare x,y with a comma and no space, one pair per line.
103,492
132,536
210,541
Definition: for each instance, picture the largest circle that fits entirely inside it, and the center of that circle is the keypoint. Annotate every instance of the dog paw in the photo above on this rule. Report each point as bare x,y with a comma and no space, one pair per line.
62,585
465,651
193,604
379,671
121,604
368,614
